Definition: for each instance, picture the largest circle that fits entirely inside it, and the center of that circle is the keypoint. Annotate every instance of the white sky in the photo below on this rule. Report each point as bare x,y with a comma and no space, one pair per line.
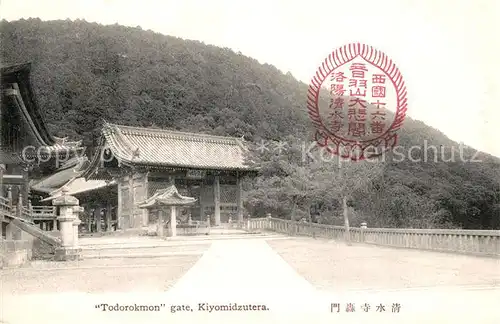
446,49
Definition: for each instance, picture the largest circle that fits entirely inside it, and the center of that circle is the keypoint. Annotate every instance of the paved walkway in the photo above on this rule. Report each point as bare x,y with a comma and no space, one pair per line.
249,271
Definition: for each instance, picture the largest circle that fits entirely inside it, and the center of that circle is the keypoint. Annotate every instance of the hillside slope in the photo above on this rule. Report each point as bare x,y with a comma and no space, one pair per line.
84,72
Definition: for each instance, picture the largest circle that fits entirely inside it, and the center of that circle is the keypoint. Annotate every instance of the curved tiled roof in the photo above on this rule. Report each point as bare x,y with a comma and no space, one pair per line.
19,75
17,91
158,147
166,197
68,172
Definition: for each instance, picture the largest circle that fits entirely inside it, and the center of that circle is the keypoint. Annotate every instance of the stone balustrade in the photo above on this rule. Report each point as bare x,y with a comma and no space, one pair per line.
478,242
17,246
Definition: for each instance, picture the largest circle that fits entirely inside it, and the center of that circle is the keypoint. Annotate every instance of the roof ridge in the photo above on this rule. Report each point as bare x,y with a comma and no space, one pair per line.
170,133
115,129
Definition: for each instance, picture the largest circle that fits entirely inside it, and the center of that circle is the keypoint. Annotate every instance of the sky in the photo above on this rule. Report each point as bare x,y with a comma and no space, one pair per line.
444,48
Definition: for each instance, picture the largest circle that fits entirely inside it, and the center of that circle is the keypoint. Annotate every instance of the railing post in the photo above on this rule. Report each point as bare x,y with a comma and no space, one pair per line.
19,209
362,232
30,210
268,216
9,196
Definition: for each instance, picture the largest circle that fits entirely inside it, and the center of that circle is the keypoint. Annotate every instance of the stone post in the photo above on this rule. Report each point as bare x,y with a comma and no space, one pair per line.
362,232
68,251
268,217
160,223
77,210
9,196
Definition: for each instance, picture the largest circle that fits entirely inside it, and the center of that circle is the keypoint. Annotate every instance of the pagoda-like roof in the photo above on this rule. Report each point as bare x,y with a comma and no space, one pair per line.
136,146
17,92
166,197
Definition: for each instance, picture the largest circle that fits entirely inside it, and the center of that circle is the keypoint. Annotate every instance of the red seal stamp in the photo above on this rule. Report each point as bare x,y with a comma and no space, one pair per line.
365,106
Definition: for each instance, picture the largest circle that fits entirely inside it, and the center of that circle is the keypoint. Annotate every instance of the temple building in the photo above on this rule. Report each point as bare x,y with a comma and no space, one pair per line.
27,151
26,146
89,192
144,160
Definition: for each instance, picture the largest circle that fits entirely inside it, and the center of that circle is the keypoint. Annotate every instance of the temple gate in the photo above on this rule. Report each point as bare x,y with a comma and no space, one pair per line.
145,160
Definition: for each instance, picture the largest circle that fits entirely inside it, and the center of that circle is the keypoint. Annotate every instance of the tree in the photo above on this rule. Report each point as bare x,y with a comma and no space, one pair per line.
82,72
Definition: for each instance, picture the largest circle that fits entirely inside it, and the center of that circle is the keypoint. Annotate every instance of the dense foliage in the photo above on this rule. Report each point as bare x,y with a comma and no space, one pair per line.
84,73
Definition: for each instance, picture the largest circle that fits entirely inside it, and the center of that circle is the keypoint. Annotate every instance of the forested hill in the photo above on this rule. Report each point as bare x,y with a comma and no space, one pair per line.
85,72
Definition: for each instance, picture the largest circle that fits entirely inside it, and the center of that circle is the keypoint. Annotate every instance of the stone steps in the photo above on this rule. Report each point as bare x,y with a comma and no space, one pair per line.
144,247
142,251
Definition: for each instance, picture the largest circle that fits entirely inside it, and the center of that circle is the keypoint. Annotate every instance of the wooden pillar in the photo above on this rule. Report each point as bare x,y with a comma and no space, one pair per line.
93,218
98,220
217,200
89,223
108,217
173,221
200,199
119,209
145,195
239,198
131,223
26,187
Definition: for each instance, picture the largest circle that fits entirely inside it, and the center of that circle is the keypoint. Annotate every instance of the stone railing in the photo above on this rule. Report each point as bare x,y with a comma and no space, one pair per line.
5,207
20,233
43,212
478,242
